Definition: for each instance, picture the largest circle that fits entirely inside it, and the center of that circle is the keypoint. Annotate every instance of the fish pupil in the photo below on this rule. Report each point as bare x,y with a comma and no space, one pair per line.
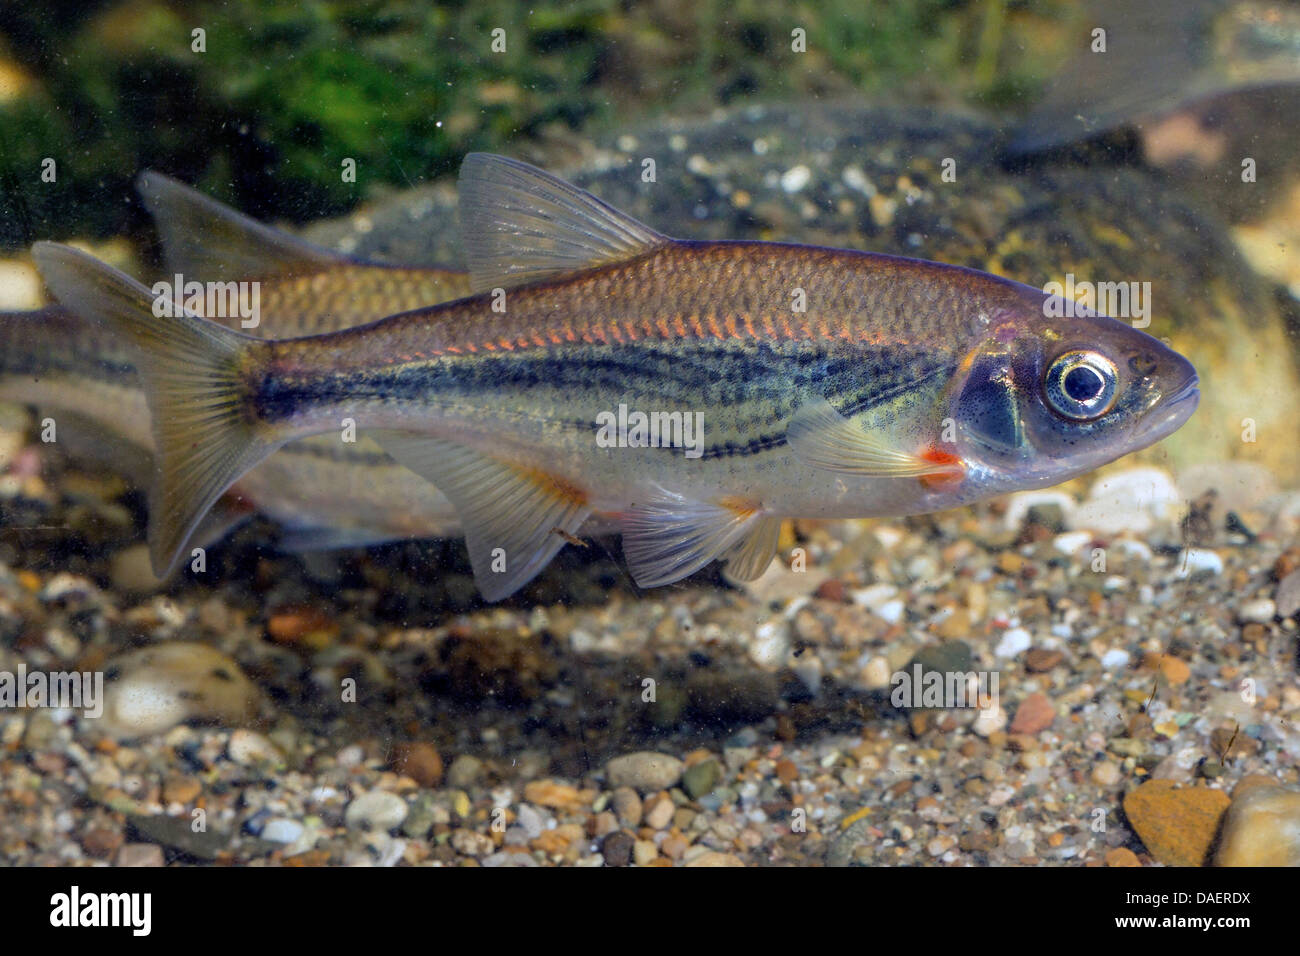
1082,383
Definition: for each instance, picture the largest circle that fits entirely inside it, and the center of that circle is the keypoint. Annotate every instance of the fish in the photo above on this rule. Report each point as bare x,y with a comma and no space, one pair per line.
824,383
325,493
1163,58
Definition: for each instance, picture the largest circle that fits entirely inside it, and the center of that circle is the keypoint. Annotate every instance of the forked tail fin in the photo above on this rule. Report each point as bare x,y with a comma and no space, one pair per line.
196,376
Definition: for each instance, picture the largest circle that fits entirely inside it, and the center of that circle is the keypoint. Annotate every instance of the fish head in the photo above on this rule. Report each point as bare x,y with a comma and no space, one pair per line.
1052,391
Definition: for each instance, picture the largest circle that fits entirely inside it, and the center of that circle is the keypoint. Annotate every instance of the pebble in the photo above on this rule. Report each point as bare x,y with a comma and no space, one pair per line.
1287,596
795,178
876,675
1176,824
464,772
1130,500
1106,773
940,845
249,748
1262,828
161,686
989,721
419,761
179,789
472,843
1122,856
550,793
643,851
1196,561
1175,669
1015,641
1115,658
1034,714
714,858
282,830
423,816
101,841
530,820
1072,542
660,815
770,644
628,807
1260,611
1040,660
376,810
874,597
617,849
140,854
1019,505
309,626
645,771
700,778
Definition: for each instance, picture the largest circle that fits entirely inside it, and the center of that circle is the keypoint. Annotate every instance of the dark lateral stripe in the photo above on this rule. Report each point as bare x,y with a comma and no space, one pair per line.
754,390
54,364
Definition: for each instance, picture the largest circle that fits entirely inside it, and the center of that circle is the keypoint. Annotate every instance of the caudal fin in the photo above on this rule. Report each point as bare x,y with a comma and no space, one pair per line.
195,374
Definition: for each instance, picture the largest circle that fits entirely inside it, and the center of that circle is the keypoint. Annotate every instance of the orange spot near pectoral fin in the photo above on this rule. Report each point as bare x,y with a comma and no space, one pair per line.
953,468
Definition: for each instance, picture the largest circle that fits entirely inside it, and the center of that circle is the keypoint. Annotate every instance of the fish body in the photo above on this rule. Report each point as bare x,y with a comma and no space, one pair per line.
691,326
823,383
327,492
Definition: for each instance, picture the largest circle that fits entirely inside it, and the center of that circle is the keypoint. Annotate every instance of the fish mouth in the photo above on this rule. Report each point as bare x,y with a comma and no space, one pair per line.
1175,412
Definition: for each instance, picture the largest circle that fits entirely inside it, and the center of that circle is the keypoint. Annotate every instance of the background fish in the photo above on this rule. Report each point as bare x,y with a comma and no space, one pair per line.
832,384
1204,85
1161,57
325,491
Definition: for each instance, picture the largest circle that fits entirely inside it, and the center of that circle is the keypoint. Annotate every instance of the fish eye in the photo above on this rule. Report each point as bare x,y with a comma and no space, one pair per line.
1081,385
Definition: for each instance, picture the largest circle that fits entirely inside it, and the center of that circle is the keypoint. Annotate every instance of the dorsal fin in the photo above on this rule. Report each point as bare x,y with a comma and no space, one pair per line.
519,224
205,240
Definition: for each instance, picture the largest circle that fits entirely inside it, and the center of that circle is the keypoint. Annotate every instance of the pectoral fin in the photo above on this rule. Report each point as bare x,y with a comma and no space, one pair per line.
671,537
515,519
821,437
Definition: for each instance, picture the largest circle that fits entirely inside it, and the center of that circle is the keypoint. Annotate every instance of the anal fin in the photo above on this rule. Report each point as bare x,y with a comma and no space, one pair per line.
516,519
749,559
671,537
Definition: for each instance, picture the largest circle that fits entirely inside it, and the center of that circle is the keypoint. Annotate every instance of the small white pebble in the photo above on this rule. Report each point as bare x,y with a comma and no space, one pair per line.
1260,611
1196,561
1015,641
1072,542
795,178
1115,658
874,597
281,830
989,720
891,611
771,643
876,674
